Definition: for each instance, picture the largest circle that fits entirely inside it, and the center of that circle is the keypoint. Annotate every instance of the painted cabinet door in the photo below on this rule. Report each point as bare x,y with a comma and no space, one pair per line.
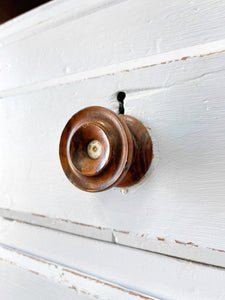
169,59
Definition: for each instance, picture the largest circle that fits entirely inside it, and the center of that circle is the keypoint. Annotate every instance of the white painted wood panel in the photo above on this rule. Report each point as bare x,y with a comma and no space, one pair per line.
147,274
50,14
17,283
178,209
76,37
169,58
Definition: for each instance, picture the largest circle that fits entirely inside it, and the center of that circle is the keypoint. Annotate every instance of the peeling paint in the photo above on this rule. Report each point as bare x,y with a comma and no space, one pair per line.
186,243
121,231
15,258
196,51
108,284
34,272
177,60
38,215
81,224
121,237
219,250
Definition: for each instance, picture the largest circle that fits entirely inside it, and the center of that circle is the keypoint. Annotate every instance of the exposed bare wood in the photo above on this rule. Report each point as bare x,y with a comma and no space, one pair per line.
183,249
136,270
80,282
16,282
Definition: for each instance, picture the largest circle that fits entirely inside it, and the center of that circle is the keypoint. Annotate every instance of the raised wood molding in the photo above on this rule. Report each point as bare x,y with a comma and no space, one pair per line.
80,282
148,274
176,248
169,58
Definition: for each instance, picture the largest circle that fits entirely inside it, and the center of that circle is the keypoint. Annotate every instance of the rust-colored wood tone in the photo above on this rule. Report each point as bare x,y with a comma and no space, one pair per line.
142,152
100,149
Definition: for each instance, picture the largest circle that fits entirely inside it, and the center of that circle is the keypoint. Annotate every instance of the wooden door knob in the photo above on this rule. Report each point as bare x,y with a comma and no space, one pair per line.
100,149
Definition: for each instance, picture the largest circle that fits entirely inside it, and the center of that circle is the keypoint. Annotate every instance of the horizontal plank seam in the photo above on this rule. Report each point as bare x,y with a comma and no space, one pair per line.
108,229
15,259
179,55
129,246
140,93
5,213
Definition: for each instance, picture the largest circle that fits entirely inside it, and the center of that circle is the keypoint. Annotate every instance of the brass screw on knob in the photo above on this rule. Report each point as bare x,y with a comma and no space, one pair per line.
100,149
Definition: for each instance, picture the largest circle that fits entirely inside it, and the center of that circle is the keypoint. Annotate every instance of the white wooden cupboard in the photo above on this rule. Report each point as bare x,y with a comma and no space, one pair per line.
160,239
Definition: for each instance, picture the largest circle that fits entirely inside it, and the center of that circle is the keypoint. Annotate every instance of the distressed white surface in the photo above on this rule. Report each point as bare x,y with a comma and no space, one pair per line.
97,232
181,198
17,283
187,250
169,58
91,35
143,272
80,282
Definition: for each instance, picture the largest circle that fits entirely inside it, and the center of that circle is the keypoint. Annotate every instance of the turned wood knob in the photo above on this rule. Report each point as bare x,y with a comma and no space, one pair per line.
100,149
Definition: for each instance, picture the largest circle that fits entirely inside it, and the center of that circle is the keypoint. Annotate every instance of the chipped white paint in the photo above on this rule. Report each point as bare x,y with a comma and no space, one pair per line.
69,226
199,50
156,207
80,282
169,57
148,273
17,283
182,249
